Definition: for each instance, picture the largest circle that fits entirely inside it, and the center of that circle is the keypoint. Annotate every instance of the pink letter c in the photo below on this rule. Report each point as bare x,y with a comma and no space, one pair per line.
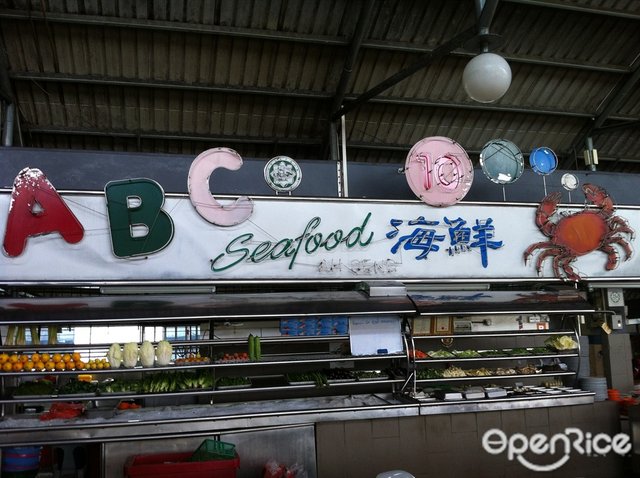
200,195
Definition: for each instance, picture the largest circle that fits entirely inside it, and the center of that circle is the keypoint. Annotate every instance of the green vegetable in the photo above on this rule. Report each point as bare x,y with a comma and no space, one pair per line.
428,373
77,386
147,354
252,347
163,353
257,348
130,355
563,342
119,386
318,378
36,387
53,335
35,335
114,356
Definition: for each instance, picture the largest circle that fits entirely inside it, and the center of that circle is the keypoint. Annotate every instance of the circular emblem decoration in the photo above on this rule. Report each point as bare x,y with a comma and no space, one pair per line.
569,181
501,161
438,171
282,174
543,161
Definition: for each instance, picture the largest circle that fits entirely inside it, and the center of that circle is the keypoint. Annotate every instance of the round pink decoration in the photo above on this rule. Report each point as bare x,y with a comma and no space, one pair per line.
439,171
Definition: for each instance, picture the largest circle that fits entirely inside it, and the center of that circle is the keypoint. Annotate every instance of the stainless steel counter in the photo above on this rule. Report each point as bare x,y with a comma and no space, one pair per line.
194,420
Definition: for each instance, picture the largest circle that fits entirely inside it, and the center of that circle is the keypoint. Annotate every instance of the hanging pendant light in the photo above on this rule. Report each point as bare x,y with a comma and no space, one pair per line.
487,77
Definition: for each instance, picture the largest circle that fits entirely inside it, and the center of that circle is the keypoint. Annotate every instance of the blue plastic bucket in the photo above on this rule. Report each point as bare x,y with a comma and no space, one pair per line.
21,458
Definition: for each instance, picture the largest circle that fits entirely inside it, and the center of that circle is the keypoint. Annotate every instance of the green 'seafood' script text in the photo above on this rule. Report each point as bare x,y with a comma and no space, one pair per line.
308,242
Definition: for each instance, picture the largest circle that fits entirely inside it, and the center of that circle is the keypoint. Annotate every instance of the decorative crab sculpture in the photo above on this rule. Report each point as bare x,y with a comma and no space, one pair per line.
576,234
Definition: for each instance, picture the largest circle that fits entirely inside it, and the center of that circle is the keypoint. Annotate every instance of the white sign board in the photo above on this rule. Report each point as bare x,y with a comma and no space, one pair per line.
375,335
298,239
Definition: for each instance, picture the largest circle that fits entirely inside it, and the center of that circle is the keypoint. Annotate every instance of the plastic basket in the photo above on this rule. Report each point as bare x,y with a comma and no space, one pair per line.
176,465
21,460
213,450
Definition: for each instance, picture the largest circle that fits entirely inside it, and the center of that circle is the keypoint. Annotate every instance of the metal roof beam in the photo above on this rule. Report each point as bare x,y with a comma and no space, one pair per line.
362,28
301,94
426,59
171,136
167,26
574,7
96,21
248,140
171,85
612,103
616,127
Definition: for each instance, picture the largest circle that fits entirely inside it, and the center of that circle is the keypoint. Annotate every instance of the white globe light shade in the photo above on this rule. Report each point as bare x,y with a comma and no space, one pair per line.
486,77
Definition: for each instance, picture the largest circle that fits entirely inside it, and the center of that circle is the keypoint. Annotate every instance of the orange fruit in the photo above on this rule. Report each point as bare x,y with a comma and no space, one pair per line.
75,356
39,365
17,367
80,365
45,357
24,358
7,367
49,365
66,358
70,365
4,357
56,357
28,365
13,358
60,365
35,357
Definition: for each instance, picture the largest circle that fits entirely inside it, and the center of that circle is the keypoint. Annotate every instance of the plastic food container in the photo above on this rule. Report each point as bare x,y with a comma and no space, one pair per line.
172,465
21,461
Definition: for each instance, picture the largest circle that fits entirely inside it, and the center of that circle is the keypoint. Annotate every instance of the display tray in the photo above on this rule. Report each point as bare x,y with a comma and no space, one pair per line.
303,382
520,352
77,395
116,394
371,376
233,387
492,353
340,380
32,397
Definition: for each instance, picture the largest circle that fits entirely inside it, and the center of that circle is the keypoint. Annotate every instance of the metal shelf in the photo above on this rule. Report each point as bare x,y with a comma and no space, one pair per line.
506,357
494,377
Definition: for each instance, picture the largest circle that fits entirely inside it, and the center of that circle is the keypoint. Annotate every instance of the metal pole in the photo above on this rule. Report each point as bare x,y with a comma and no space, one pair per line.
589,142
7,140
345,182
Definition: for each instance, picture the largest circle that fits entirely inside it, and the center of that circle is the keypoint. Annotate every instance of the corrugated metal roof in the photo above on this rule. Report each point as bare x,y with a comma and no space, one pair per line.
263,77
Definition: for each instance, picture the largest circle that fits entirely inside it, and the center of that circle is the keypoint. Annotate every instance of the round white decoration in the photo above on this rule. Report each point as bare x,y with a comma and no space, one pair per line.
282,174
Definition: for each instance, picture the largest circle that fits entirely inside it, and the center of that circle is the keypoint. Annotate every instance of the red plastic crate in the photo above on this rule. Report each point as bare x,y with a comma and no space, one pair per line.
171,465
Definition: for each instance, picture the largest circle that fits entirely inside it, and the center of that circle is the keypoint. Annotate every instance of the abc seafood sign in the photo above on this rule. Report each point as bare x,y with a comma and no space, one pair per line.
134,232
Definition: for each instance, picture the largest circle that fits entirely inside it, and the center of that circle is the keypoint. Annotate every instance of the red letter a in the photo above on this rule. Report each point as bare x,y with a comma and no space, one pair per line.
37,208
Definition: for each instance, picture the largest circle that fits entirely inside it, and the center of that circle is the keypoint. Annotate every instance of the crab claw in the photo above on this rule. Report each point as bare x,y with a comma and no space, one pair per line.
549,204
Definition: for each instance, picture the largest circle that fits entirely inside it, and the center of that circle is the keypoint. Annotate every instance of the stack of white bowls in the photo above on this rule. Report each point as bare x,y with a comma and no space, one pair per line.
597,385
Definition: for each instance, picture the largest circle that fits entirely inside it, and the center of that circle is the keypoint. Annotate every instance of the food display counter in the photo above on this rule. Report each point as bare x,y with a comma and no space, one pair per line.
215,382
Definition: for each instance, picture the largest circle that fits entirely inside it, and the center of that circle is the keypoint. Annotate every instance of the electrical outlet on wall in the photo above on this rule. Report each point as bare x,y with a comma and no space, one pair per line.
616,321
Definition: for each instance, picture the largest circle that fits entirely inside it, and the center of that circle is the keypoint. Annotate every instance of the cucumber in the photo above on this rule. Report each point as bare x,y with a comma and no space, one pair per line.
252,347
257,348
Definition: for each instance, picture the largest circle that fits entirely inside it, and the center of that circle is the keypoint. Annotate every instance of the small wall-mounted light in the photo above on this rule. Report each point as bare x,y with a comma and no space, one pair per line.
486,77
